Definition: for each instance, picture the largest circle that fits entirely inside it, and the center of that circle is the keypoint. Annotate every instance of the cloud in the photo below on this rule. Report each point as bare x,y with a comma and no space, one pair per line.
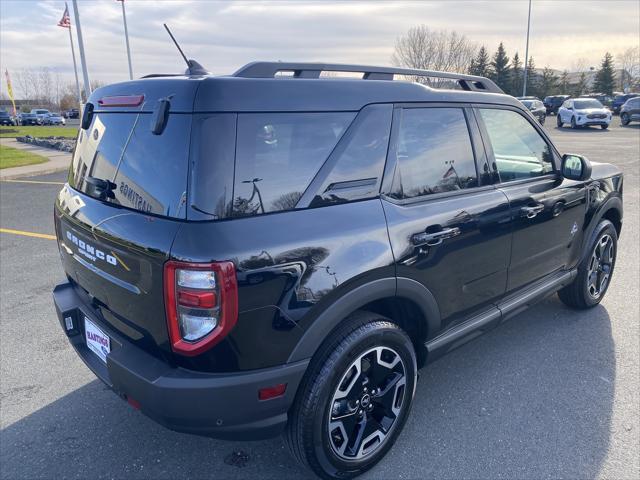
225,35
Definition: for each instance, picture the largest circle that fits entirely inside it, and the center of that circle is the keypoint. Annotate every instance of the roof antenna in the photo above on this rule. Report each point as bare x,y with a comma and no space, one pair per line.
193,67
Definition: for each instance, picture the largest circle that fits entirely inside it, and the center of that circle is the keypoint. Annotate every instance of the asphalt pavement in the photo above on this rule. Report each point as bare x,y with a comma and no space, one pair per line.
553,393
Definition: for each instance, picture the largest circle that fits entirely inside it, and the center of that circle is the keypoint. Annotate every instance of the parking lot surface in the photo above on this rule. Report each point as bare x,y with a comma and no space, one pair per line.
553,393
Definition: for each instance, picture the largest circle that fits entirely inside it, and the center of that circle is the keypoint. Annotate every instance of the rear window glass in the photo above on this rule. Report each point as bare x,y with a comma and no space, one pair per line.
277,156
146,172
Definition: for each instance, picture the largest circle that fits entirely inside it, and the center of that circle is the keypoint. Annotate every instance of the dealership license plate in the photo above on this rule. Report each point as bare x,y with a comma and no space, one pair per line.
97,341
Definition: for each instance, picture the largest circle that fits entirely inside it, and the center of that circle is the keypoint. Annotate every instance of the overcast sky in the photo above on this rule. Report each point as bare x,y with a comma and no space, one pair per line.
225,35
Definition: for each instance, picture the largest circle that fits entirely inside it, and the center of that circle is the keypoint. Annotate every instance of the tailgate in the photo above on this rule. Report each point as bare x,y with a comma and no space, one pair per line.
115,257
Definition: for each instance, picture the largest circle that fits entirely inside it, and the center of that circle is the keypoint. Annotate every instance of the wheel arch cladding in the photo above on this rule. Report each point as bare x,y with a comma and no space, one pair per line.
413,305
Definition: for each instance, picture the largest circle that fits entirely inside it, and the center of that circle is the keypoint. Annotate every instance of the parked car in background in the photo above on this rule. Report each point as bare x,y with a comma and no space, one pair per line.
30,118
54,119
41,113
553,102
7,118
603,98
620,100
537,109
528,98
72,113
630,111
583,112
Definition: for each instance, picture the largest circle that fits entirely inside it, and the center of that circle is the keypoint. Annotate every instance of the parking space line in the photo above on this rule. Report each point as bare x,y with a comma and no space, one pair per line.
28,234
33,181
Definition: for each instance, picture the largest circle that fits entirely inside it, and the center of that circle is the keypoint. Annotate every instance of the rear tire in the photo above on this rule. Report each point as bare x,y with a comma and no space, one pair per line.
372,360
624,118
595,270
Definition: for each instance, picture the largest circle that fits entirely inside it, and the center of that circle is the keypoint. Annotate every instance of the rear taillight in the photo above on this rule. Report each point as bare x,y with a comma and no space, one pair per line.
201,300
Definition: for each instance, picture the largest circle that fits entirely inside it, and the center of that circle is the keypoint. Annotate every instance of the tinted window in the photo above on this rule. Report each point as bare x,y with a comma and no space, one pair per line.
581,104
149,171
434,153
357,163
277,156
519,150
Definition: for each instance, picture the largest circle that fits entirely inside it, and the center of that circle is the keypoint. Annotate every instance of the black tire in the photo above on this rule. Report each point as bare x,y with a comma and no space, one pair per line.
624,118
559,121
321,415
541,119
604,127
580,293
573,123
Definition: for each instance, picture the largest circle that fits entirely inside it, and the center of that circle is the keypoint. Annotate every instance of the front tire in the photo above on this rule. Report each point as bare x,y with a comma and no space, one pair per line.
541,119
625,119
559,121
604,127
595,270
574,125
355,398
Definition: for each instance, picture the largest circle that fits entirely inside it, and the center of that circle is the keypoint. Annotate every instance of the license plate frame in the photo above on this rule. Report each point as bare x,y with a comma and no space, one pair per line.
96,340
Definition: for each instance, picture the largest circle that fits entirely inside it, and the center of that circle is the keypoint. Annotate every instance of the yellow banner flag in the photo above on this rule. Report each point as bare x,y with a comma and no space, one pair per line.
10,91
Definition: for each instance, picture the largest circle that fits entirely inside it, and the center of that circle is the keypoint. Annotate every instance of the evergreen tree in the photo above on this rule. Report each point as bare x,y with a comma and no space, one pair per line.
564,82
500,70
548,82
605,77
532,78
581,87
516,75
480,64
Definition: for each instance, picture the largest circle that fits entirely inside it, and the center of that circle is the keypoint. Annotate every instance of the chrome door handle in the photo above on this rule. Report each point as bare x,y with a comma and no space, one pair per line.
436,238
531,212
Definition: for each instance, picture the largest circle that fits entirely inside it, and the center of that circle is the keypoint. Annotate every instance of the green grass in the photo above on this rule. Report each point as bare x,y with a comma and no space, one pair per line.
12,157
13,132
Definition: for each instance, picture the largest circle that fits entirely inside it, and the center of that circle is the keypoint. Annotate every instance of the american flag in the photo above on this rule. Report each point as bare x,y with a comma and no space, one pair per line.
65,21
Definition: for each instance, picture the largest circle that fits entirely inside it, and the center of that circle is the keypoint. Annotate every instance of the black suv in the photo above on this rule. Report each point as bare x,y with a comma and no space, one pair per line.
553,102
277,252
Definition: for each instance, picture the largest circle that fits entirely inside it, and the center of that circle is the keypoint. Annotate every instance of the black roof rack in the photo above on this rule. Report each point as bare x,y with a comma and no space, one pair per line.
313,70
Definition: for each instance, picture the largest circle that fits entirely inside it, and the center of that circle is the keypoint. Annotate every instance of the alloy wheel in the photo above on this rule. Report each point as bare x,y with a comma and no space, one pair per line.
367,403
600,266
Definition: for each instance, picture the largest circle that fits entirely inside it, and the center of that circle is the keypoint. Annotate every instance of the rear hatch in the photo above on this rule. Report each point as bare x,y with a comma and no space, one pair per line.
123,205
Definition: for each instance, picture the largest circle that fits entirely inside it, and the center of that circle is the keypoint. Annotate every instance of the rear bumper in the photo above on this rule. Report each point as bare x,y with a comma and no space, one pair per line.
217,405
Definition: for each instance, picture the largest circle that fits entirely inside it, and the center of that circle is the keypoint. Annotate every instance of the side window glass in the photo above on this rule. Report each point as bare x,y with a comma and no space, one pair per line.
434,153
358,160
519,150
277,156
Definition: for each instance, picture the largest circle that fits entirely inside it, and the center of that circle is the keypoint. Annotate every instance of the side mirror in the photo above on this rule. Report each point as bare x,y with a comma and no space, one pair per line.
576,167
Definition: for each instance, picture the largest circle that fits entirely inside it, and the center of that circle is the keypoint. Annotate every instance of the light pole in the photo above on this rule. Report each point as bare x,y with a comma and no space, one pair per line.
83,60
126,37
526,55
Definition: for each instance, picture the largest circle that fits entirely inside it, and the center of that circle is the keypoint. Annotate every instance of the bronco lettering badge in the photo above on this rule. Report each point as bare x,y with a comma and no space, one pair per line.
89,251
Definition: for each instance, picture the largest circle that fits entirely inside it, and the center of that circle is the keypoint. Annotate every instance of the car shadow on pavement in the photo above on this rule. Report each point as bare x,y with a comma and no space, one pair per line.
583,129
533,398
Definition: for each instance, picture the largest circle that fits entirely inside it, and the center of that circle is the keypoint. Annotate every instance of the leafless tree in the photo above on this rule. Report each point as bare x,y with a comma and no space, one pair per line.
428,49
629,62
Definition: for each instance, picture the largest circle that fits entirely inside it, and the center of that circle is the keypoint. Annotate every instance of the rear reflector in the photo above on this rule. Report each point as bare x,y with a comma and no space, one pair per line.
272,392
121,101
134,403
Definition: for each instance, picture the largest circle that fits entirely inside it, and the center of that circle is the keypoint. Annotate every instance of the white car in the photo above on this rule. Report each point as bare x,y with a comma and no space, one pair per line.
581,112
54,119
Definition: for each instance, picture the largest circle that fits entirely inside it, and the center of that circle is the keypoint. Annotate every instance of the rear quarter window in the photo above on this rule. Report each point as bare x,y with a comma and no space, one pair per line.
277,156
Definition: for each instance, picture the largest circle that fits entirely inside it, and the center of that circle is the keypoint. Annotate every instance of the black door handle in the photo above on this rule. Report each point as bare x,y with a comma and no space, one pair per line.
436,238
531,212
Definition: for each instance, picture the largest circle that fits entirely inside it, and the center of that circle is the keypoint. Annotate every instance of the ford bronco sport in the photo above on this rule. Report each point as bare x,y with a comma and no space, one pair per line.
279,252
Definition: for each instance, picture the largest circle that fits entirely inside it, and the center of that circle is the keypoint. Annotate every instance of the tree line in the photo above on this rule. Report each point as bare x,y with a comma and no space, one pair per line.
427,49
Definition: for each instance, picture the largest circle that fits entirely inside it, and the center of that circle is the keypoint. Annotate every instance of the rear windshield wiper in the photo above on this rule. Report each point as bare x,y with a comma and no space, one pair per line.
102,189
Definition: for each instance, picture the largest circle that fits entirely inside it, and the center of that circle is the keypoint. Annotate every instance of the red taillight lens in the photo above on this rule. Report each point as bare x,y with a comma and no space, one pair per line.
201,301
121,101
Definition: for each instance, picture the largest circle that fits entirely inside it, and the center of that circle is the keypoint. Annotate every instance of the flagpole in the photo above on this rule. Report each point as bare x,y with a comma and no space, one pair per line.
526,55
126,36
75,67
83,60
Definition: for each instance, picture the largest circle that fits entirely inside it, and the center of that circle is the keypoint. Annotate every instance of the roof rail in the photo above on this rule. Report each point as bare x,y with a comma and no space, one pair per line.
313,70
